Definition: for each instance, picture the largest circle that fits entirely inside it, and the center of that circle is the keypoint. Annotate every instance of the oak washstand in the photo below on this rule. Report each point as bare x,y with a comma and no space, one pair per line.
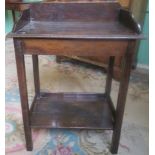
82,29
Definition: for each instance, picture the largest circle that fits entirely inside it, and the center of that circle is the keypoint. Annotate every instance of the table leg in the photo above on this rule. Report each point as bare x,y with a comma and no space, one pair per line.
109,82
23,93
109,75
36,74
122,98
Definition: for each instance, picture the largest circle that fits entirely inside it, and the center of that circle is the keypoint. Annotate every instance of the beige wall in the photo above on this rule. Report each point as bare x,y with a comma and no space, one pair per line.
138,7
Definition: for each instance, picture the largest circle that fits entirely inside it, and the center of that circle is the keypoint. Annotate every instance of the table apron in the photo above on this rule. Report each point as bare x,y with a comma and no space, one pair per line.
74,47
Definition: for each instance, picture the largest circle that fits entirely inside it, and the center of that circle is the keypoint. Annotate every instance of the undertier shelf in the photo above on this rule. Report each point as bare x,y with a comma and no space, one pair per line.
71,110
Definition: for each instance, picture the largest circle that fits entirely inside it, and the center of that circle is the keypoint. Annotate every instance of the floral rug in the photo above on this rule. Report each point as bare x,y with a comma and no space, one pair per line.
71,77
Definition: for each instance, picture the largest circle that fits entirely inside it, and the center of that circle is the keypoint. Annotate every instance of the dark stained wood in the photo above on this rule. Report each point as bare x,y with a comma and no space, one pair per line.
109,75
81,29
36,74
75,11
110,71
112,107
74,47
25,19
33,103
109,30
127,18
138,9
72,110
23,92
84,21
122,96
21,5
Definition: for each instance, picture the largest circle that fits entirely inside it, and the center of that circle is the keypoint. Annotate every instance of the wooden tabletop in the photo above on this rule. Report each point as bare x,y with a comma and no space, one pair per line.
77,29
76,20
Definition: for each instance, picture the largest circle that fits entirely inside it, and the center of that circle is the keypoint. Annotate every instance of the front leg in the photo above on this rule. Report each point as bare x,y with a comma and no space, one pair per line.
126,68
23,93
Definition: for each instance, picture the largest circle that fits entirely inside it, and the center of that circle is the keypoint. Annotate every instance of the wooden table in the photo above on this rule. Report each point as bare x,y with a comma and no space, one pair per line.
21,5
81,29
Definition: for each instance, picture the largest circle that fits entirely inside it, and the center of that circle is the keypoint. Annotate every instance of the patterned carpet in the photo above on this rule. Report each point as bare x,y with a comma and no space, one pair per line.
77,78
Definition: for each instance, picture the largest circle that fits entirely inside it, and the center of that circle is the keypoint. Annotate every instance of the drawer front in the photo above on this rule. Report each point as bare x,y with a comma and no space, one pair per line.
75,47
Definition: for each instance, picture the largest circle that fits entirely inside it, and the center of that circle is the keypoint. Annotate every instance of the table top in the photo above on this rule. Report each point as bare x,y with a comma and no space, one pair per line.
76,20
76,30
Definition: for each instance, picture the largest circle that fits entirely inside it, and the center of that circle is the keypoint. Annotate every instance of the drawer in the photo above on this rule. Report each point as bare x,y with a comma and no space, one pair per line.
75,47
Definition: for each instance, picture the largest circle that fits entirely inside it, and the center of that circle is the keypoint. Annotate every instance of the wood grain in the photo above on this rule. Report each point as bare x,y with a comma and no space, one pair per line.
74,47
23,93
72,110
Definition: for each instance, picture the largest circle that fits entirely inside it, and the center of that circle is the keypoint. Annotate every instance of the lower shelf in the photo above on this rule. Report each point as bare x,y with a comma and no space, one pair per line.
71,110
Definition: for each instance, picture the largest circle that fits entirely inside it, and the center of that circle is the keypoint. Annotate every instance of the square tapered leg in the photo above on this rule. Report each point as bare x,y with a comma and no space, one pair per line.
23,93
122,94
